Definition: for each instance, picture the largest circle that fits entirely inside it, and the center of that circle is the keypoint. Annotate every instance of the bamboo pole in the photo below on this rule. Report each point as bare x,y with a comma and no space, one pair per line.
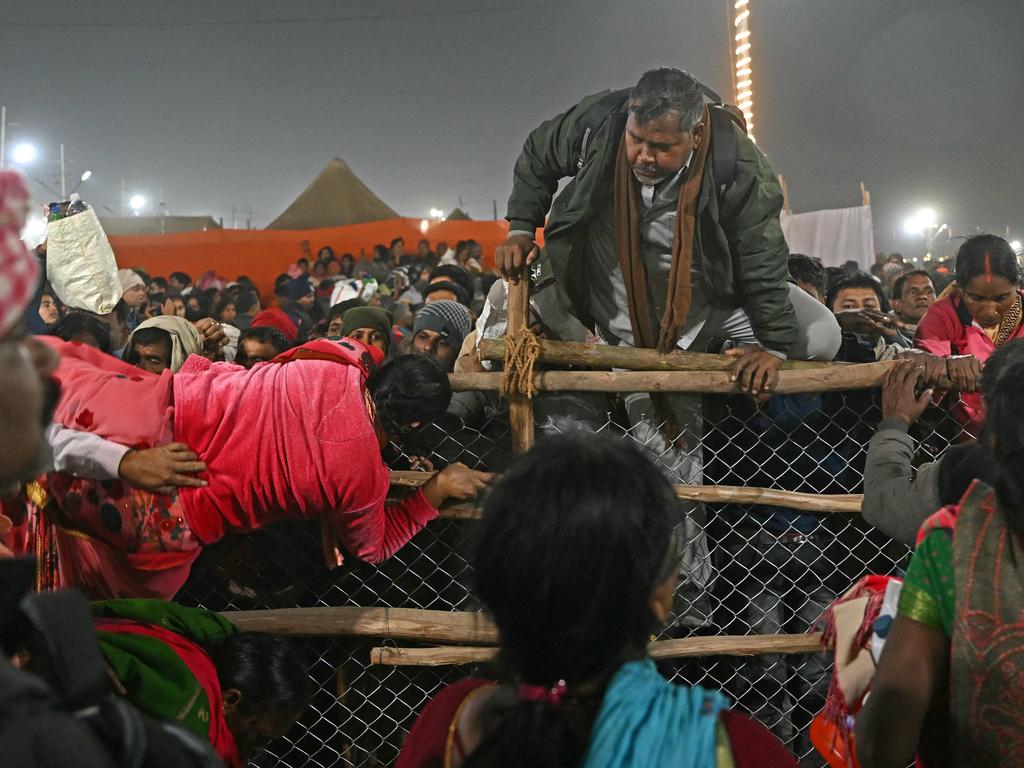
476,628
842,503
400,623
826,504
832,379
635,359
726,645
520,406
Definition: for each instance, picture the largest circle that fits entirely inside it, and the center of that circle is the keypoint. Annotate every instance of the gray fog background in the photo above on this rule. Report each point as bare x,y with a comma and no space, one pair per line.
212,105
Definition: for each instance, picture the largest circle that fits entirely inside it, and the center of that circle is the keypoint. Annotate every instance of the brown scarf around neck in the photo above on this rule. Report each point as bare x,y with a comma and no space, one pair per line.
630,250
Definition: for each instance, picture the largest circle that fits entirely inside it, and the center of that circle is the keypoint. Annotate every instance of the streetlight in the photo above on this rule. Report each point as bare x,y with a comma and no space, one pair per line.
85,177
920,221
137,203
24,153
924,224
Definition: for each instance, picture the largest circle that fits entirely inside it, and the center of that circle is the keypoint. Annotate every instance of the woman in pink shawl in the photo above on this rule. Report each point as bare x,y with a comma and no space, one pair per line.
976,314
298,438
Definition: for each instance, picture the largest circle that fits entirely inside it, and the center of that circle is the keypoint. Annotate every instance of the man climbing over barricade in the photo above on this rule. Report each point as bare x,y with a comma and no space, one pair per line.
667,237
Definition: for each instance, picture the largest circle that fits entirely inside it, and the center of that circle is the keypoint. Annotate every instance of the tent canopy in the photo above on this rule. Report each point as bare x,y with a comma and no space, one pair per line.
156,225
336,198
457,214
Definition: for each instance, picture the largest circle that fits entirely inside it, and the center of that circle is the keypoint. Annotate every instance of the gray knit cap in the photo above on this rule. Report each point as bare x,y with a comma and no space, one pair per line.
448,318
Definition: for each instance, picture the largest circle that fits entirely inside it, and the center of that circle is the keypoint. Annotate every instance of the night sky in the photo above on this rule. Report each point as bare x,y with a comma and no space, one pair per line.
212,105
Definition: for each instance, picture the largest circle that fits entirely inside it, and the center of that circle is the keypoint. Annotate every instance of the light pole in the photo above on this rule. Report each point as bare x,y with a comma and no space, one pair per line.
63,176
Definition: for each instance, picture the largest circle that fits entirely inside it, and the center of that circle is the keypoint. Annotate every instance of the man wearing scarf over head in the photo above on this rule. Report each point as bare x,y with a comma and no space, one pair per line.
648,251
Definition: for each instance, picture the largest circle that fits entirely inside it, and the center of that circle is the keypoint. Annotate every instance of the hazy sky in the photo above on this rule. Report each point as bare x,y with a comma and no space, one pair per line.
215,104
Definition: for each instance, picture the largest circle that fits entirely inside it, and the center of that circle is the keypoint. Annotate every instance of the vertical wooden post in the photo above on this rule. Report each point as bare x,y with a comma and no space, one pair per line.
520,411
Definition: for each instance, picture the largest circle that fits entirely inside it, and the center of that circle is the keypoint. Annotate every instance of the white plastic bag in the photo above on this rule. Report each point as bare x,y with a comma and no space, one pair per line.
80,263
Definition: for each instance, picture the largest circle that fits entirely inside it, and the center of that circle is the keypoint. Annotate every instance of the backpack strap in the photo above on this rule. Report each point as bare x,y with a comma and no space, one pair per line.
63,625
597,115
723,147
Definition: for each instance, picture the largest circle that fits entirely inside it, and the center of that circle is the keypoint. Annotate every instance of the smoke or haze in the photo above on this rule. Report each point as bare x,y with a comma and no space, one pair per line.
208,106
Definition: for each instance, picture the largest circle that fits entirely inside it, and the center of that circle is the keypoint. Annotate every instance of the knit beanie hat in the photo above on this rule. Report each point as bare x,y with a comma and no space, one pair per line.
277,318
448,318
297,287
368,317
129,278
452,287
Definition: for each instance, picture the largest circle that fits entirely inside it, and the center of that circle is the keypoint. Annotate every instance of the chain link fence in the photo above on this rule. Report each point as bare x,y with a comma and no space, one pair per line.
746,569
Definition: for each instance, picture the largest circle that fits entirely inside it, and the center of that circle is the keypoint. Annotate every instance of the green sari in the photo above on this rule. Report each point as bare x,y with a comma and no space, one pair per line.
966,579
157,651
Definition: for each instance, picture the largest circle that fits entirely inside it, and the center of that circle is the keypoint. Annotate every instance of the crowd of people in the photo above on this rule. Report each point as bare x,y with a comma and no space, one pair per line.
200,407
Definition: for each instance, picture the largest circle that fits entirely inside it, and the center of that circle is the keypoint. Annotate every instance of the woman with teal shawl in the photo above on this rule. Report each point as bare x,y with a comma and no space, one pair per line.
576,563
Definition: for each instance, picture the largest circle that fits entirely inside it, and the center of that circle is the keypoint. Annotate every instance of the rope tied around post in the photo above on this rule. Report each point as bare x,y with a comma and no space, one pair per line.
522,351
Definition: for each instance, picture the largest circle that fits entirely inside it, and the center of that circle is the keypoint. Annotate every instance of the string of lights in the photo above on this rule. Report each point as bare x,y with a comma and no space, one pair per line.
743,69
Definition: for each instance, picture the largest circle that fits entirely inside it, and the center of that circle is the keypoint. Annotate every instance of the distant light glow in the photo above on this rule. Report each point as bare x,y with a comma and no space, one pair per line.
924,219
1016,246
34,231
424,225
437,213
24,153
87,175
137,203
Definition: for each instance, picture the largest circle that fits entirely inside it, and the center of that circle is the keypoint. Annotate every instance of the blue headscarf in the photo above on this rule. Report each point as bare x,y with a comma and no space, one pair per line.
647,721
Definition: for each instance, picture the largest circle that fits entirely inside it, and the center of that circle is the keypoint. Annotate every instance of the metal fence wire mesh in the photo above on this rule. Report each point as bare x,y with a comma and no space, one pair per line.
745,569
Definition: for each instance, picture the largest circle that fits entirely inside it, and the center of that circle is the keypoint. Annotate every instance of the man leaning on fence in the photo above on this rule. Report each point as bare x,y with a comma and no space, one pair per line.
668,236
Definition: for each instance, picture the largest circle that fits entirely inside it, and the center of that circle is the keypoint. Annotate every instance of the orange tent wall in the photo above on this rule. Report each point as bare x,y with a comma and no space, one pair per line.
263,254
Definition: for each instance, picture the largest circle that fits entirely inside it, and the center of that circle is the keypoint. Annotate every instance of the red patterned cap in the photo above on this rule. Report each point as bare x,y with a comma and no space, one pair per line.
18,268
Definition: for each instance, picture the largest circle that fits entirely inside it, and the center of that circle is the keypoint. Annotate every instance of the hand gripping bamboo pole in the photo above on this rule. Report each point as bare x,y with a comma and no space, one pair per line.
828,379
633,358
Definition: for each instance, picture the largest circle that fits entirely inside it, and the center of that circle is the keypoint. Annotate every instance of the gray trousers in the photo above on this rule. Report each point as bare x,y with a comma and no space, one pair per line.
682,460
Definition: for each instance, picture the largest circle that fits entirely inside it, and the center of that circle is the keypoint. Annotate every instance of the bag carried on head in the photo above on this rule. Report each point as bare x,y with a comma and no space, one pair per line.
80,263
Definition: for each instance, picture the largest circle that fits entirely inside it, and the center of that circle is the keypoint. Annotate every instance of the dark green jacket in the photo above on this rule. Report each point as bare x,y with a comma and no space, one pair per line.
742,251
